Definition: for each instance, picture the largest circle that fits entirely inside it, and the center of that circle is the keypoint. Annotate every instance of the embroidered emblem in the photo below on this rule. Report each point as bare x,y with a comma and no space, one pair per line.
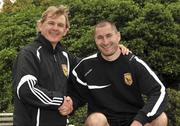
128,79
65,69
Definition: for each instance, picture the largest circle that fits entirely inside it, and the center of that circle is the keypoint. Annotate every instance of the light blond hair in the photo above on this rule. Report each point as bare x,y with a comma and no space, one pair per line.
56,11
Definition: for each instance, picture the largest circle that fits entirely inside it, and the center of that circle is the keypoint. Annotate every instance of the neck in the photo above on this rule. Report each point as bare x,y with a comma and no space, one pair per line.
112,57
54,45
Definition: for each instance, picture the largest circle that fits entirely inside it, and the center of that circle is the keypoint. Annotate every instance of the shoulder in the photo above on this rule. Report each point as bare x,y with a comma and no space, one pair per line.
87,61
137,62
89,58
129,58
30,50
133,60
32,47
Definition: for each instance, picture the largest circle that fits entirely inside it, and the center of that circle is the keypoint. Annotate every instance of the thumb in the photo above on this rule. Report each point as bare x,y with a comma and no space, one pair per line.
68,98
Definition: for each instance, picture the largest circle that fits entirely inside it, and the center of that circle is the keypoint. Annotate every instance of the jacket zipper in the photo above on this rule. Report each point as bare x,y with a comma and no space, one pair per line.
58,70
55,58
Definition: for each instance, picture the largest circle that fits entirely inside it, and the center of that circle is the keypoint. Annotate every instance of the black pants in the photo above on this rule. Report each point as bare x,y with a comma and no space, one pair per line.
118,122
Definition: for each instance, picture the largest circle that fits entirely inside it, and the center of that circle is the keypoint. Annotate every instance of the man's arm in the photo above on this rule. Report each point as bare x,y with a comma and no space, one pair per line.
152,87
26,84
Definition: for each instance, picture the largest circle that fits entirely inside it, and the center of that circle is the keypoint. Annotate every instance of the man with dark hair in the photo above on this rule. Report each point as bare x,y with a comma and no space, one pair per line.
113,84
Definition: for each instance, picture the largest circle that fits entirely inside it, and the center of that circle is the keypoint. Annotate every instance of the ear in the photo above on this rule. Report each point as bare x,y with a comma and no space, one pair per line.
65,31
119,36
39,25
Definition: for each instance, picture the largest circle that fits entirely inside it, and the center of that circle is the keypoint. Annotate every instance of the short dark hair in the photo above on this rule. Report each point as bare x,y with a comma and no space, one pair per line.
104,22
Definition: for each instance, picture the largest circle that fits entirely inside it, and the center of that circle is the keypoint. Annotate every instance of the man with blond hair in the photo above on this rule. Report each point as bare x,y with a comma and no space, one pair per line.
41,73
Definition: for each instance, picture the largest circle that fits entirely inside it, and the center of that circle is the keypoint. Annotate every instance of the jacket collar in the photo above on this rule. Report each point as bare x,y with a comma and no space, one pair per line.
47,44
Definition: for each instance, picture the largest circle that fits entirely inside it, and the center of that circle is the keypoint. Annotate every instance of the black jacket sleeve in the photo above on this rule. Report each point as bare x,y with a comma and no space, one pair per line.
26,84
152,87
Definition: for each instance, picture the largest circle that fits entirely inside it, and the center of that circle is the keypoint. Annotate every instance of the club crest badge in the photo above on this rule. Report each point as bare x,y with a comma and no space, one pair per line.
128,79
65,69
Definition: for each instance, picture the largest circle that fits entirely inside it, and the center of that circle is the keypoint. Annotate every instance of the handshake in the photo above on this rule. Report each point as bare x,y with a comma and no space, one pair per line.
67,107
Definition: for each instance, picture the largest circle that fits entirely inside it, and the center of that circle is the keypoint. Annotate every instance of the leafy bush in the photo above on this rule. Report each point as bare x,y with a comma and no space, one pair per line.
173,108
150,28
6,62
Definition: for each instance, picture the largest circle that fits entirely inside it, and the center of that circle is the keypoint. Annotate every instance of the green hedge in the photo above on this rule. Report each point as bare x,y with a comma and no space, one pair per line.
150,28
173,108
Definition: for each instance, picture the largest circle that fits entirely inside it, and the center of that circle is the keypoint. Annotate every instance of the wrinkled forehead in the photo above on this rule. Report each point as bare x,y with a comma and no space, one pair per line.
57,18
102,25
54,15
105,26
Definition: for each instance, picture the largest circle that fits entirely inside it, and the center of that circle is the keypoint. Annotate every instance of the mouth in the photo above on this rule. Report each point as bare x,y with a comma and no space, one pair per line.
54,33
106,47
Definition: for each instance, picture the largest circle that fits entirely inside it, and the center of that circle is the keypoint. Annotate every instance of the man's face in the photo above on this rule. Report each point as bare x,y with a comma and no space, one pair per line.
53,28
107,40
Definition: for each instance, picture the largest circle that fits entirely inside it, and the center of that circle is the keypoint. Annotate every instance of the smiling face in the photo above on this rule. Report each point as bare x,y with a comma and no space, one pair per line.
53,28
107,40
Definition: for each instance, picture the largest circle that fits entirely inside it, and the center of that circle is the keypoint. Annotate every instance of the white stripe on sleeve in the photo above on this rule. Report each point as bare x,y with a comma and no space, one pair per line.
32,81
162,90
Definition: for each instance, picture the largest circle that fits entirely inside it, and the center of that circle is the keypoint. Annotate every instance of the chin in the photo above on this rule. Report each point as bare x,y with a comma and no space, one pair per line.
107,54
54,39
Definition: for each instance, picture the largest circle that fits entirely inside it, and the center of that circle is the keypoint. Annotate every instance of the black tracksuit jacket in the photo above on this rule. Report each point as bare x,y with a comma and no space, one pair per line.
115,88
40,81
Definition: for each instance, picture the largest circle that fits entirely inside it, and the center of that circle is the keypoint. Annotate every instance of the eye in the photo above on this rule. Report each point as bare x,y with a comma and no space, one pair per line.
61,25
99,37
109,35
51,23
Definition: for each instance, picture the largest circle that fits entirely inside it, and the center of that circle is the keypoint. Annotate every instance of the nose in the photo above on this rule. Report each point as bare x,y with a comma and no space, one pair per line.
105,41
55,27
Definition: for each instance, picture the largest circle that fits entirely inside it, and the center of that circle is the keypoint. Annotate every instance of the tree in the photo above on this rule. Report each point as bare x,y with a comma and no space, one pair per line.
150,28
155,37
17,30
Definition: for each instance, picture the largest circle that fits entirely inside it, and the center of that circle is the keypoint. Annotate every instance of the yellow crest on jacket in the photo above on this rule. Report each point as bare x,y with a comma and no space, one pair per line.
128,79
65,69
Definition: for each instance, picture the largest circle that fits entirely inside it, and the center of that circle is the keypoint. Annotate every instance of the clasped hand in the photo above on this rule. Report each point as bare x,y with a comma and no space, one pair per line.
67,107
